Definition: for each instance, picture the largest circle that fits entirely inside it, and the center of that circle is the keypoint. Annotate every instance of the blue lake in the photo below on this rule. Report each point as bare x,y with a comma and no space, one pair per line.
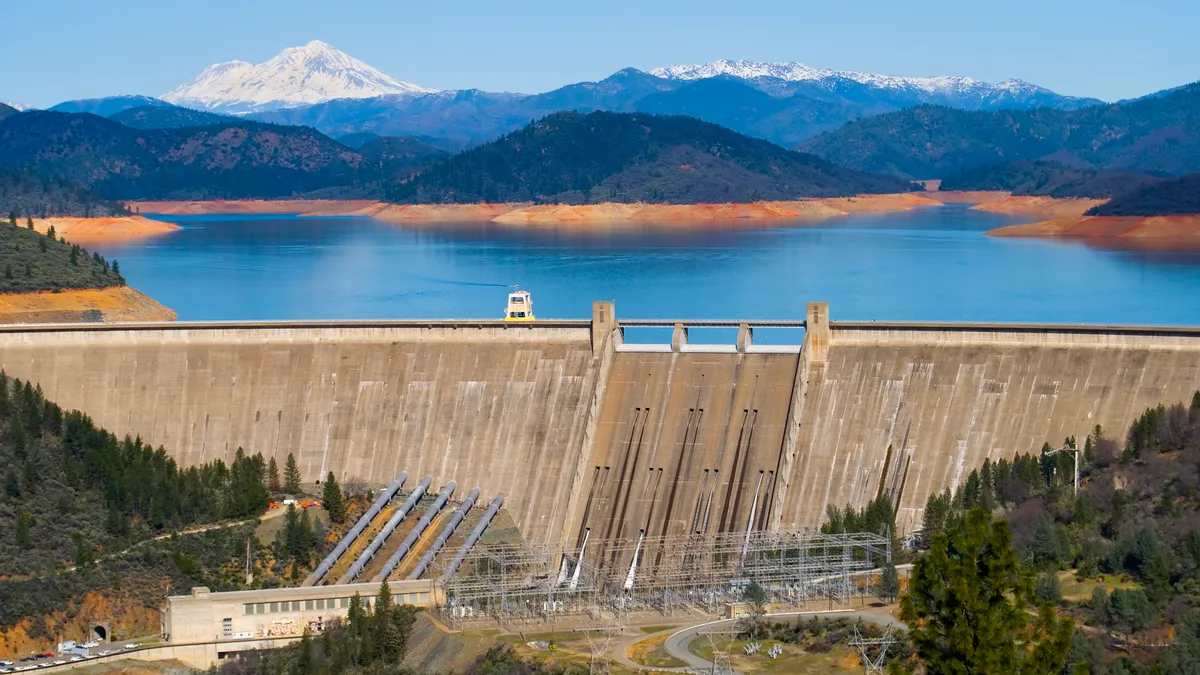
926,265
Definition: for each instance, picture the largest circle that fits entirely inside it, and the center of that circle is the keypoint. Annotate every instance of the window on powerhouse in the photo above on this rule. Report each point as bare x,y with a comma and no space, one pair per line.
254,608
296,605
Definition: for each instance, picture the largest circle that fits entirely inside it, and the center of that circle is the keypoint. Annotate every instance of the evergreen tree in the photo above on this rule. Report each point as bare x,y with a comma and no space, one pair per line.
291,476
1132,611
23,528
273,483
12,486
1051,547
332,499
756,596
968,606
1196,401
12,218
888,588
29,222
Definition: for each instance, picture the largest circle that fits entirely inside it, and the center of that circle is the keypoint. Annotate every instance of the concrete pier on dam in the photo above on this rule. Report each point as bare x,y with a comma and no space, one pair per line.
589,436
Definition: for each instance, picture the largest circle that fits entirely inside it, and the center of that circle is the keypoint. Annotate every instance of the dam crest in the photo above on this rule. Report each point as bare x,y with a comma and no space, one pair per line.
584,432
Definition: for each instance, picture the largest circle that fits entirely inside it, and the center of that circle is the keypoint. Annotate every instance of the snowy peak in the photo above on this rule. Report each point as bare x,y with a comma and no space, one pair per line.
798,72
313,73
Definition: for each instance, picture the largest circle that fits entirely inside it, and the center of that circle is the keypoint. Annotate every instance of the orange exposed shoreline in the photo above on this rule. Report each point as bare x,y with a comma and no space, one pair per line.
1156,232
521,213
103,230
1046,207
118,303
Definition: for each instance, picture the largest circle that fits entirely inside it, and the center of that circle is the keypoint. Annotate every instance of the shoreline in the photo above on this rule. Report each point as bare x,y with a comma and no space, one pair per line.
1116,232
103,230
527,213
89,305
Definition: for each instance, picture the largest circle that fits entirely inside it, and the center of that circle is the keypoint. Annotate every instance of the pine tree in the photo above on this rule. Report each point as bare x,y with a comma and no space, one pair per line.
1196,401
888,588
291,476
12,218
29,222
969,602
332,499
24,525
273,475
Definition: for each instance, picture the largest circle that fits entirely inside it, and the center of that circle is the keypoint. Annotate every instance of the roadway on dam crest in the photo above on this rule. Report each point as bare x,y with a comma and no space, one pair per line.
584,434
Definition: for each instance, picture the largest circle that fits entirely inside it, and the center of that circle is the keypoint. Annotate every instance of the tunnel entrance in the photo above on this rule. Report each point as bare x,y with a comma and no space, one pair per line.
101,631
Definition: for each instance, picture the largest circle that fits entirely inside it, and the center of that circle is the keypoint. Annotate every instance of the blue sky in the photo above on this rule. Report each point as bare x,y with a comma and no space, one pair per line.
62,49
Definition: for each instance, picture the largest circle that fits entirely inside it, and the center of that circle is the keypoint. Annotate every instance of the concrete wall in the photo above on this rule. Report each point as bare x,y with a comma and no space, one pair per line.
946,398
490,405
684,443
581,432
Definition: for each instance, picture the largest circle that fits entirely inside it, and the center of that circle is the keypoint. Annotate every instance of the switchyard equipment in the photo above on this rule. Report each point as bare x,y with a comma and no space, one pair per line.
331,559
665,574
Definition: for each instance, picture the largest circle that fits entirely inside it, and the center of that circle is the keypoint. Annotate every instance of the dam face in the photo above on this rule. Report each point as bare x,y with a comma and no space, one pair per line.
587,436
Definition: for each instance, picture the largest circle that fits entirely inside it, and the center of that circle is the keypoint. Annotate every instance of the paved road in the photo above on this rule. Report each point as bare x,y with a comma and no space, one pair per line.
677,644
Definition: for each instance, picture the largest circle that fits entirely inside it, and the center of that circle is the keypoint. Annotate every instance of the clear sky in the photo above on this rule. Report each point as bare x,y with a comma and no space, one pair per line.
55,50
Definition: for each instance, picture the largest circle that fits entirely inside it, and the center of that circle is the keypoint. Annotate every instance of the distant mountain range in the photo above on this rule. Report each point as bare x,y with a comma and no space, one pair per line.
1155,134
620,157
959,92
317,85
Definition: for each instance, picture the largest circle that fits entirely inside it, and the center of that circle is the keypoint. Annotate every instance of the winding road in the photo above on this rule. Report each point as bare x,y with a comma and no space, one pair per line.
677,643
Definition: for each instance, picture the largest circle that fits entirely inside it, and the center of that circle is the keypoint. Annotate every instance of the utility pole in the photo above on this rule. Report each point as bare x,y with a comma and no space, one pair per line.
249,566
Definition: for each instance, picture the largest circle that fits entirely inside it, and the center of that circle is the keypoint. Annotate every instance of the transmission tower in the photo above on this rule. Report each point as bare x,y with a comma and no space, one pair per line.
599,639
873,662
721,642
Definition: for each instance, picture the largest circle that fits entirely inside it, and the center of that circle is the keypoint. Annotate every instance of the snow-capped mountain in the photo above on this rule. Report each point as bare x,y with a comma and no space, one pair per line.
296,76
19,106
946,89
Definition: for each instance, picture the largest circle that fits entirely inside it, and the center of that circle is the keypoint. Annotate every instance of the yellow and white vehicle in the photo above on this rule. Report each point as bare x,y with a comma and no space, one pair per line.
520,307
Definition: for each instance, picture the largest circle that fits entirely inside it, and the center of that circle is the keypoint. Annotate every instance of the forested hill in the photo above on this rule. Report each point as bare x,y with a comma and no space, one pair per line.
1051,179
7,111
30,261
1158,134
617,157
1179,196
168,117
232,160
24,193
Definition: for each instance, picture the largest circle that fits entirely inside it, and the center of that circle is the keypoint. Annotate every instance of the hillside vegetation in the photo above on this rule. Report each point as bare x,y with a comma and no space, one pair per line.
232,160
167,117
1050,179
1123,557
1180,196
1159,134
26,194
83,519
30,261
575,158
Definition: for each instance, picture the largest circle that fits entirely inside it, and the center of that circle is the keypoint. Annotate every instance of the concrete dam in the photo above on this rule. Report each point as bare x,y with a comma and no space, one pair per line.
588,435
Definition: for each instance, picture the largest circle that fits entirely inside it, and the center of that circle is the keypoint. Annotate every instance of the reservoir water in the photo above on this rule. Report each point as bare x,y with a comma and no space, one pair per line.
931,264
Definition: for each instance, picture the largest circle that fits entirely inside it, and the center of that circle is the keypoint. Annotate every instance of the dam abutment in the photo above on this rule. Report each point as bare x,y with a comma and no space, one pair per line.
585,433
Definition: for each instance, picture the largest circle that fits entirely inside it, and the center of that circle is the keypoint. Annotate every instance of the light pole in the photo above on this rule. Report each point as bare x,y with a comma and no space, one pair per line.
1075,450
